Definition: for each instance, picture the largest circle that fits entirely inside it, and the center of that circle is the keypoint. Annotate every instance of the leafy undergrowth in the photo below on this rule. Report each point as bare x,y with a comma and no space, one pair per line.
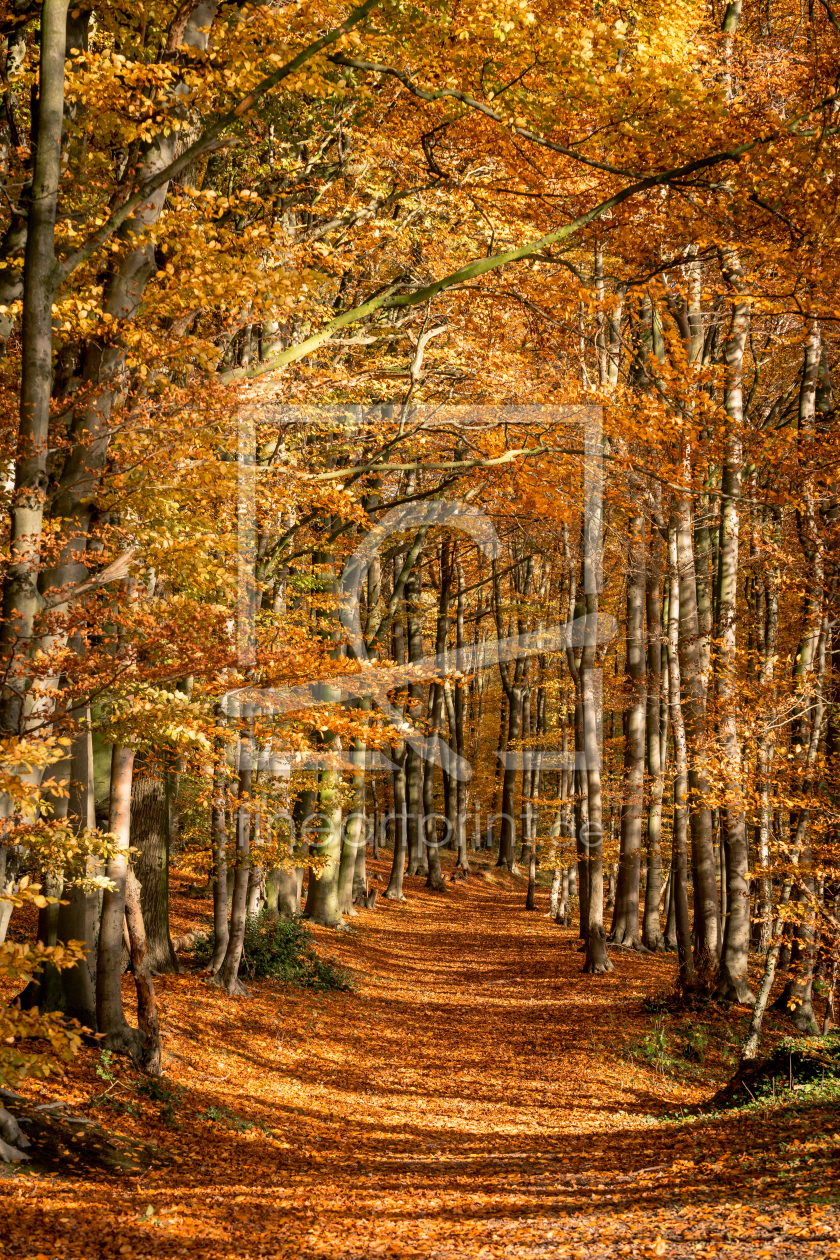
281,949
476,1095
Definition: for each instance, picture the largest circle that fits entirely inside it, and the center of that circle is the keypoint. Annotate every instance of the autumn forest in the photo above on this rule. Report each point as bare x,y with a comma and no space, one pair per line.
419,642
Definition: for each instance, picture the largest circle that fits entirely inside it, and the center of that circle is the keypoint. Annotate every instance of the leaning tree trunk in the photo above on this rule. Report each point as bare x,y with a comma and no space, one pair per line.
147,1013
150,837
625,924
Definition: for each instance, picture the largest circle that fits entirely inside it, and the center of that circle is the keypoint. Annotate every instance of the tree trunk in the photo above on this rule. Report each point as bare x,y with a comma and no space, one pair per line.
220,864
110,1017
282,894
651,931
418,862
354,835
507,839
147,1014
20,598
322,905
394,890
625,924
679,872
227,977
597,959
150,837
693,704
732,982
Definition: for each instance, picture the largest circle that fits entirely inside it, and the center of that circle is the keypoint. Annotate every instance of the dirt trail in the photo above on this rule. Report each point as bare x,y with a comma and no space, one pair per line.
473,1097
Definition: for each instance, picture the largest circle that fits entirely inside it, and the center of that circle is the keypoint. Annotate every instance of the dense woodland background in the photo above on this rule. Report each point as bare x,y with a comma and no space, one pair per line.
513,328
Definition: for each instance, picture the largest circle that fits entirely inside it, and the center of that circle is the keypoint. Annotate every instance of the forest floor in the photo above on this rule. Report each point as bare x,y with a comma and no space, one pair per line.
475,1096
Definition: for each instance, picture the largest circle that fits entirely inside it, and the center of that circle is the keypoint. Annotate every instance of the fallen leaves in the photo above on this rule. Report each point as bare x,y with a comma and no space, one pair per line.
462,1105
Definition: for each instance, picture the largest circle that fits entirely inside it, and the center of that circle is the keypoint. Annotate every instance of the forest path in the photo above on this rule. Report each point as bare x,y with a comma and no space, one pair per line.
475,1096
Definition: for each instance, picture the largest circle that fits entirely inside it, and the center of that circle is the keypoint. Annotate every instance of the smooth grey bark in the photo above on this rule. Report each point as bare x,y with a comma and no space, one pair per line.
732,981
669,940
288,892
150,837
147,1013
41,277
513,676
679,871
218,824
580,811
651,928
322,901
101,376
434,879
227,977
507,834
693,706
418,863
110,1017
78,919
354,836
597,959
766,749
459,703
360,885
625,924
394,890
